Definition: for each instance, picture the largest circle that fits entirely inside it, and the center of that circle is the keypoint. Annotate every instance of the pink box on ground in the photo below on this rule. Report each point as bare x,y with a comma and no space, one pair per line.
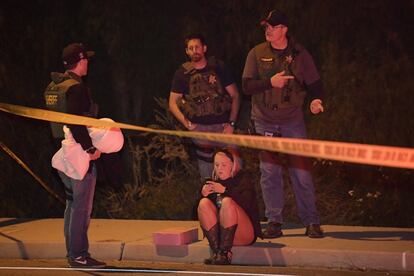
175,236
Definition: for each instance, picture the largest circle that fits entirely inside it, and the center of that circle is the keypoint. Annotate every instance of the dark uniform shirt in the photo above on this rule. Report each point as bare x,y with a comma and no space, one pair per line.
79,102
253,85
180,84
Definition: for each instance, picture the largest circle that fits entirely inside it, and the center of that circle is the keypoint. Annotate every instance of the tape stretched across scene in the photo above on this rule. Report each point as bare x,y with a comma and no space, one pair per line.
388,156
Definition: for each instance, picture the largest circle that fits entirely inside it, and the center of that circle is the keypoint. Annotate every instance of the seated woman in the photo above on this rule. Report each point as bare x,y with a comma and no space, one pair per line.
228,211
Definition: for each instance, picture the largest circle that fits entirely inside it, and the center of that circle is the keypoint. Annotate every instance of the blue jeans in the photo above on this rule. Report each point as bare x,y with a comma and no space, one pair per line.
271,180
79,201
205,167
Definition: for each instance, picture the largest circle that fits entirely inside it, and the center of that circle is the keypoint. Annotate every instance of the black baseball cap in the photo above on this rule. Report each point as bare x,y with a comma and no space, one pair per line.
75,52
274,18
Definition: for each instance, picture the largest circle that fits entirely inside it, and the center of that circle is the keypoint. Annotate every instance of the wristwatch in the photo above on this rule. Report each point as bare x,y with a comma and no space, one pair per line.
91,150
232,123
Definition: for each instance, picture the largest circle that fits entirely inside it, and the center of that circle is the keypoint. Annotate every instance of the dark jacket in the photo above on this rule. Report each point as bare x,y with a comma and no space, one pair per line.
79,102
242,190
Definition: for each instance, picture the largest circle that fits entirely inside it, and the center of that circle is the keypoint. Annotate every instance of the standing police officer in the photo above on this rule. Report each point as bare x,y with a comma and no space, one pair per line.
276,74
68,93
204,97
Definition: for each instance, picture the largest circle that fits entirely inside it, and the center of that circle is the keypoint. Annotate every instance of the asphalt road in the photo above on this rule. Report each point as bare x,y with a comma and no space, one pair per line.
59,267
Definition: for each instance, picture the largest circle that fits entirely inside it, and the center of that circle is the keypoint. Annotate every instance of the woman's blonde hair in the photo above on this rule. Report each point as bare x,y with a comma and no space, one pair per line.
230,156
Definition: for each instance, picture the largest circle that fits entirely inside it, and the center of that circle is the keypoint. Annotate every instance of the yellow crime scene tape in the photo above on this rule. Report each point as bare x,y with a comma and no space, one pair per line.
21,163
388,156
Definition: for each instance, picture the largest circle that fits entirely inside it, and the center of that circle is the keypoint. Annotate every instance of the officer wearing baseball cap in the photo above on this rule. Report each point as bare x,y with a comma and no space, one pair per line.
278,74
74,52
274,18
68,93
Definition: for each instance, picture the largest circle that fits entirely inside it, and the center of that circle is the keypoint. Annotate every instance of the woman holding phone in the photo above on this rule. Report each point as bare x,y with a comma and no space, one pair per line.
228,211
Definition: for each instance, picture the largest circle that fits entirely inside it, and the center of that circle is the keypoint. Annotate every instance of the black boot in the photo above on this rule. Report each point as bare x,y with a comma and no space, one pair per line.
226,243
213,240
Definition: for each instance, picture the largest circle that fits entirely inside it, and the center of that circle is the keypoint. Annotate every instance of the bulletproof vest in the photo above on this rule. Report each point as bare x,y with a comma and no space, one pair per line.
206,95
269,63
55,98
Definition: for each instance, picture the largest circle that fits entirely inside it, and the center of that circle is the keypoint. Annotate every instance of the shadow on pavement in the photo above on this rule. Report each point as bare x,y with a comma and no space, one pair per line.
13,221
20,245
373,235
267,244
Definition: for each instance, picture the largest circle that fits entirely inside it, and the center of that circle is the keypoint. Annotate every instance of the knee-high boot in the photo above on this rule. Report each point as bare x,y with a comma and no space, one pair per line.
213,240
226,243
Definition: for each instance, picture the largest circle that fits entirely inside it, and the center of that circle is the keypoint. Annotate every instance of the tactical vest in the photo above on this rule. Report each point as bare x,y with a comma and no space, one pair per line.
55,98
269,63
206,95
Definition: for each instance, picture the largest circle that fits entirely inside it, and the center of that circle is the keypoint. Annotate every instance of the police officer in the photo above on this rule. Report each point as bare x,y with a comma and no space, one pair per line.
204,97
68,93
277,74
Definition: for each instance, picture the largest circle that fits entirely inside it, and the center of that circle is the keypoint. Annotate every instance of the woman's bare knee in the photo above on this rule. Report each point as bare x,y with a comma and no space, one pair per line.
207,215
205,205
206,209
227,203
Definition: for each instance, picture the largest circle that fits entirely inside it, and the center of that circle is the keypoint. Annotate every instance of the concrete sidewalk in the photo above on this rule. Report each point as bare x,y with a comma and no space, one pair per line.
352,247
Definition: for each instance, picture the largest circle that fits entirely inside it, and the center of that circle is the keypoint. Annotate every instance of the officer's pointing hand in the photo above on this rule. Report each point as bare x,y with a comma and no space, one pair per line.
279,79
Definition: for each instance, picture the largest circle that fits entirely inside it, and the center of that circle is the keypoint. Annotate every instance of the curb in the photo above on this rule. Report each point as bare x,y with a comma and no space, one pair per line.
344,247
242,255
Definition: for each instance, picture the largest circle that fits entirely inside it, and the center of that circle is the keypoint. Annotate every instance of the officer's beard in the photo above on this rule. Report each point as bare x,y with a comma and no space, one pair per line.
196,58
